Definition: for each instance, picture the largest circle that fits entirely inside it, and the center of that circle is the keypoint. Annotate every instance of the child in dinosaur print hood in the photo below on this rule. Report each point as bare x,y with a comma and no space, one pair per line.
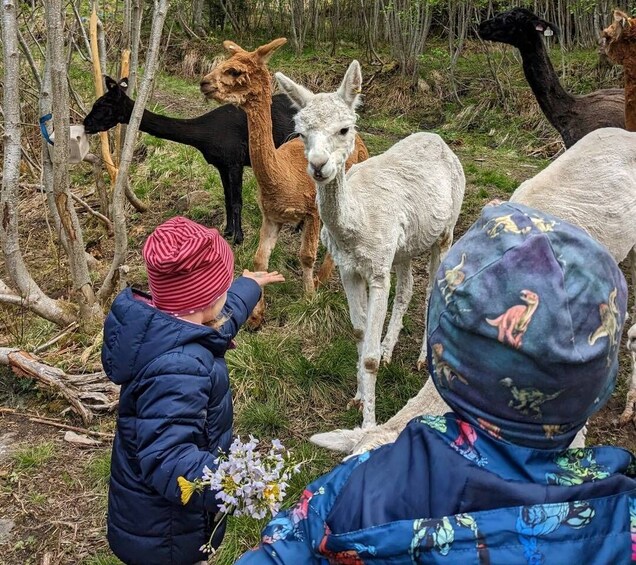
527,341
524,321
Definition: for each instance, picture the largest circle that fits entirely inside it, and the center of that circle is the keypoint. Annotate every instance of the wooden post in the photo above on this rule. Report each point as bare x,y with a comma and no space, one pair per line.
99,91
123,73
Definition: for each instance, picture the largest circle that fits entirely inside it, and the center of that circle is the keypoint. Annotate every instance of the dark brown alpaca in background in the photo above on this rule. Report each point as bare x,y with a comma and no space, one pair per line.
573,116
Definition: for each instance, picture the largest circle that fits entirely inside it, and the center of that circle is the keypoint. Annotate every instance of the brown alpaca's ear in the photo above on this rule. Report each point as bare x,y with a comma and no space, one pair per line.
264,52
232,47
622,19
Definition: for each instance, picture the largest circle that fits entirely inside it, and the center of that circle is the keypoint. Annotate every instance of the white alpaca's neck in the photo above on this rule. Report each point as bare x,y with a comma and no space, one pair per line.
340,211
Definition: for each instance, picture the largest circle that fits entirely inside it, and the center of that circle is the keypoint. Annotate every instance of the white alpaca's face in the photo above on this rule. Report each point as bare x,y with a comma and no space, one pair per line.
327,127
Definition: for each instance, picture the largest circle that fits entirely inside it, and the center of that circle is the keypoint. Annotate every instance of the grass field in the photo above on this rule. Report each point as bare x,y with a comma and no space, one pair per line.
295,376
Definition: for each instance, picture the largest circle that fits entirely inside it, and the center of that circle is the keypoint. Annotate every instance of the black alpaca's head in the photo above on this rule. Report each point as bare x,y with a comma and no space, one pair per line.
518,27
111,109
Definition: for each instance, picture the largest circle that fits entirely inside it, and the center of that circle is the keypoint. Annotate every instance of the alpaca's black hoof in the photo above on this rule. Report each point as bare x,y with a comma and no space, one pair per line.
238,238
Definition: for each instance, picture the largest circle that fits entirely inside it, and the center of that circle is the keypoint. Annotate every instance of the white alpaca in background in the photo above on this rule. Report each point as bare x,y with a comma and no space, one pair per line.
383,213
592,185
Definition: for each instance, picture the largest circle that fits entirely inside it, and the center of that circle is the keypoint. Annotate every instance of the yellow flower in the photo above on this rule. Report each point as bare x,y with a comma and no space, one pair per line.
272,492
228,485
188,488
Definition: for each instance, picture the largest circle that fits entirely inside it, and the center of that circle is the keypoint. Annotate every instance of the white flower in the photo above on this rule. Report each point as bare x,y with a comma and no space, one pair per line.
249,482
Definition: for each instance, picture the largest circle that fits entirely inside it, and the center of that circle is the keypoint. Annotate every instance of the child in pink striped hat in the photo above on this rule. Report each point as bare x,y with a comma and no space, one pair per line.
167,352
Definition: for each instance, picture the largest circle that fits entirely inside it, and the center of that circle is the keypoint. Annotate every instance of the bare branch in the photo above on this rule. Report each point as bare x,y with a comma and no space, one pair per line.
78,19
121,239
27,53
100,217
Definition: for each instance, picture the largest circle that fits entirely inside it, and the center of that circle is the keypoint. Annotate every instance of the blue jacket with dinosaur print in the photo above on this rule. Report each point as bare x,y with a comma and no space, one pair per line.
468,497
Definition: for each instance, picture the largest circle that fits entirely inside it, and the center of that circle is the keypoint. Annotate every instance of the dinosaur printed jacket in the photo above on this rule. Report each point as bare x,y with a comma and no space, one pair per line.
446,492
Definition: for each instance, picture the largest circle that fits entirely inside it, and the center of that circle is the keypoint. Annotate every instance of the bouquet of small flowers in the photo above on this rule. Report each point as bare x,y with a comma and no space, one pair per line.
247,482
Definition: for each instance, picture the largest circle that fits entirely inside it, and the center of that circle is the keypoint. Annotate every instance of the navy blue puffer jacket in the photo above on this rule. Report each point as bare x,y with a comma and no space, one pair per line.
175,412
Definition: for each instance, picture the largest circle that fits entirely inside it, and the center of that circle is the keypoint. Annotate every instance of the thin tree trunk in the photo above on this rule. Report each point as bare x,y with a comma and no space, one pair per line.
197,16
90,311
31,294
78,19
137,16
126,31
119,196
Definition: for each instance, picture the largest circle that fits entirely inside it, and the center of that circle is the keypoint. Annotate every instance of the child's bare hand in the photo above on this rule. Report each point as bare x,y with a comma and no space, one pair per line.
263,277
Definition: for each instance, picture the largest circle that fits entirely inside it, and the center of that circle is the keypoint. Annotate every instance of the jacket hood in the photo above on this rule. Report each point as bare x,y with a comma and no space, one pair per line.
135,333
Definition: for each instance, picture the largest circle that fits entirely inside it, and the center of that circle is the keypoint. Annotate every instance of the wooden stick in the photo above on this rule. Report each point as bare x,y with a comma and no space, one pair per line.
100,217
77,429
56,423
57,338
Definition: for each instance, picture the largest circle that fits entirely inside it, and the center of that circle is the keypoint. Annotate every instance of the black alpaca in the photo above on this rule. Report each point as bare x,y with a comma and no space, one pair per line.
573,116
220,135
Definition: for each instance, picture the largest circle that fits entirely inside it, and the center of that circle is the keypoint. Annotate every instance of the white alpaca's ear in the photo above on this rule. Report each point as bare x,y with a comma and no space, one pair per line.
338,440
299,95
351,85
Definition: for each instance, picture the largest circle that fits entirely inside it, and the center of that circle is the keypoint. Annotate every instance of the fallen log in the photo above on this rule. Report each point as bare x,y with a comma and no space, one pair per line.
86,394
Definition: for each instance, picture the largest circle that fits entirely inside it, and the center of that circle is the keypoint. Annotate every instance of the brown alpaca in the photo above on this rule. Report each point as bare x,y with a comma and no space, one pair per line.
620,45
286,193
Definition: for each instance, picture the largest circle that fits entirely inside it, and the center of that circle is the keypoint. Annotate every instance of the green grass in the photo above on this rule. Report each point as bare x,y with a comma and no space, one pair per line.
32,457
98,469
485,177
105,558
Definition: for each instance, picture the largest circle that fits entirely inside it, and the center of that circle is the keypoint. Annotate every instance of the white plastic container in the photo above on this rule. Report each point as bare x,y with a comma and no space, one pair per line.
78,143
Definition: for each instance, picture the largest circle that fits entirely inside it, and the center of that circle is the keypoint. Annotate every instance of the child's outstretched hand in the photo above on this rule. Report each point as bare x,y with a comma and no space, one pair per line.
263,277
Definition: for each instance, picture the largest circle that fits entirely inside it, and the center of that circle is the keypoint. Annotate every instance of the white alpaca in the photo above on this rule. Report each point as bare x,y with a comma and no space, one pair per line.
383,213
592,185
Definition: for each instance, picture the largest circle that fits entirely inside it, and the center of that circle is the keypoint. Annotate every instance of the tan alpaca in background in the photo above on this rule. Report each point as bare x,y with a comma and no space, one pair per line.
286,193
620,45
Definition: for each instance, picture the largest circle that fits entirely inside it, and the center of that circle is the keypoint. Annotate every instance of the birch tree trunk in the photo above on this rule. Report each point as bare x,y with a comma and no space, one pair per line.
31,294
90,311
119,192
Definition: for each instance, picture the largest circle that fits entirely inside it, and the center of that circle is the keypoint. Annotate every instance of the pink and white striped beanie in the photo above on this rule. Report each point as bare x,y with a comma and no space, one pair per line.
189,266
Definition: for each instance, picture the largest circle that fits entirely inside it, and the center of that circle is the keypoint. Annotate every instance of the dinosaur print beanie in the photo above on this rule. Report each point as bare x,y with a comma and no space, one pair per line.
189,266
524,326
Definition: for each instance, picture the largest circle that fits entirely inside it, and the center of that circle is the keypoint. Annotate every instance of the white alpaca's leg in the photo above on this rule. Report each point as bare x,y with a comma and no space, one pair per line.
630,404
632,260
433,264
355,288
370,362
403,294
